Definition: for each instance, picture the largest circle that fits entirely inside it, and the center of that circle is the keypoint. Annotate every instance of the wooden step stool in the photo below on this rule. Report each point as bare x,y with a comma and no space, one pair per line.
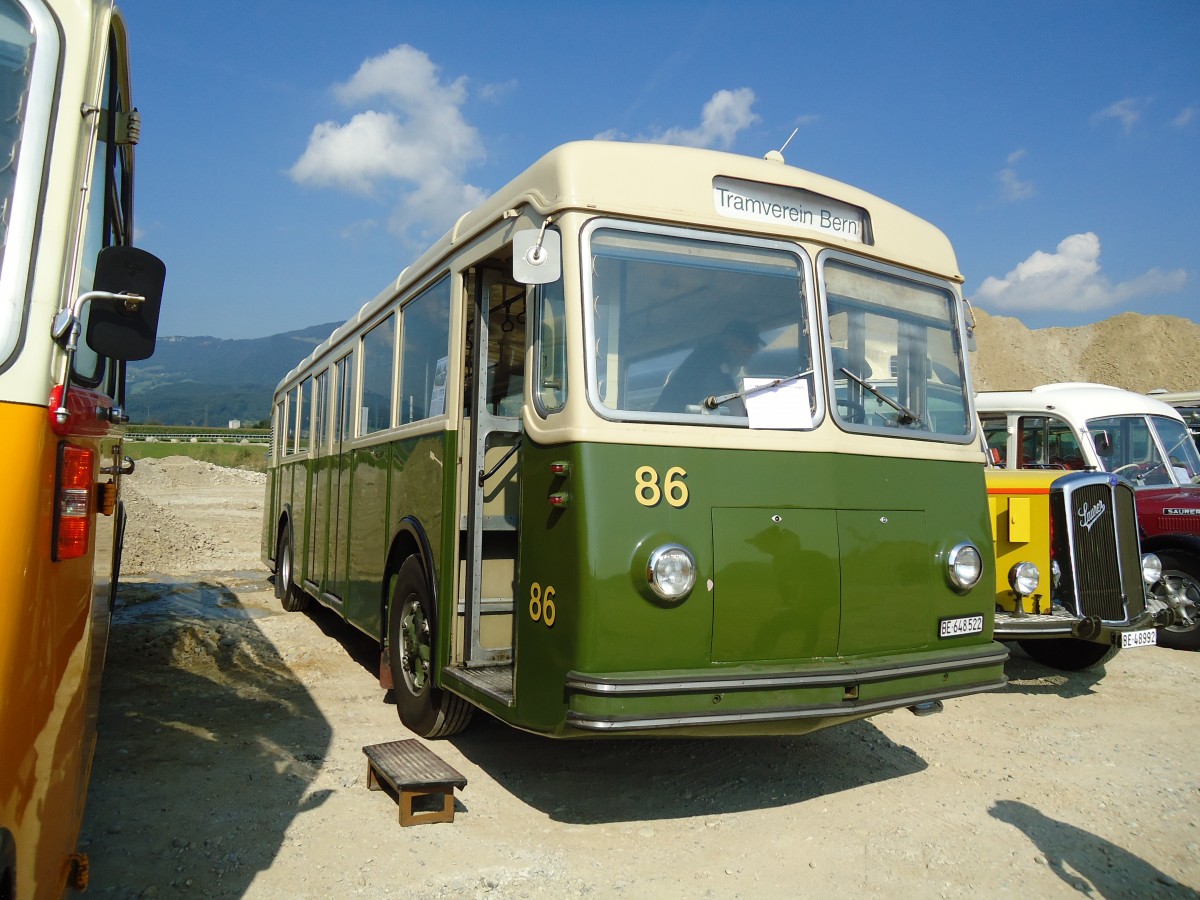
413,771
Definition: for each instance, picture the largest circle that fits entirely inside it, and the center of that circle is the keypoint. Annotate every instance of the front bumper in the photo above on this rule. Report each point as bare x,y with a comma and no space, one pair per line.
1011,627
776,699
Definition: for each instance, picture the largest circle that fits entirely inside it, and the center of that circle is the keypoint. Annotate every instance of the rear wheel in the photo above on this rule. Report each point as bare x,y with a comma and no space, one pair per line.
1069,654
289,595
1181,578
412,638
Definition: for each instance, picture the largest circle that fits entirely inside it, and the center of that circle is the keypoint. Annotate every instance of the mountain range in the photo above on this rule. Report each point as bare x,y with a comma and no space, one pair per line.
207,382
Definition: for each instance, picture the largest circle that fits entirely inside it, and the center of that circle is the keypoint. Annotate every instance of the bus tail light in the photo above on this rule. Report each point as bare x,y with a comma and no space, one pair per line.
72,501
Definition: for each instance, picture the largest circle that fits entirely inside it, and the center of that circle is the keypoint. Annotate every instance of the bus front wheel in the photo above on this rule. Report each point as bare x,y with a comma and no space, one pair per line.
423,708
289,595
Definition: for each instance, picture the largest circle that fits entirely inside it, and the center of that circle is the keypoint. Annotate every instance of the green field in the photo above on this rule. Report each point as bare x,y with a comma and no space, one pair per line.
235,456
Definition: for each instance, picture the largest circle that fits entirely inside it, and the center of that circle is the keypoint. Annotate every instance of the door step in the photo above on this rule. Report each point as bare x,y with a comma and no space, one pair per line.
495,681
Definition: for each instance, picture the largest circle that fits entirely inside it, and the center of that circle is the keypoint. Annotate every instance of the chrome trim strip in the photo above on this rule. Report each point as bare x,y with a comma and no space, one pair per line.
578,682
612,724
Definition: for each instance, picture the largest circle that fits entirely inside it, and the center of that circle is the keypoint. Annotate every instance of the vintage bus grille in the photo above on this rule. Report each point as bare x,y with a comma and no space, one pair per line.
1096,547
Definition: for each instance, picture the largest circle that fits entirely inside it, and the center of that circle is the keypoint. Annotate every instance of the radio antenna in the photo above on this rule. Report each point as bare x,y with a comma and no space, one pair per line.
777,155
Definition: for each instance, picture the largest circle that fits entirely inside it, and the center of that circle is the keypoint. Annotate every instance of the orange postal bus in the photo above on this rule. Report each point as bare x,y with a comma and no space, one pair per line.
76,303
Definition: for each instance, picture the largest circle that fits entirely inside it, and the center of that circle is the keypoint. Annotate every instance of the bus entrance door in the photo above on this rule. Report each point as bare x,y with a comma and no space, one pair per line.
491,428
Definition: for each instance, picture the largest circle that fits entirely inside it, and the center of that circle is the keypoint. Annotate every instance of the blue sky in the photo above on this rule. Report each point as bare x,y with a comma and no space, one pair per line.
295,156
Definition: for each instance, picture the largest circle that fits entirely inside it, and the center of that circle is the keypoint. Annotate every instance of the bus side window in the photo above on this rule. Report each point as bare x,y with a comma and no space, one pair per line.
1030,440
995,433
425,341
304,415
279,427
293,410
320,425
1063,445
379,356
343,416
551,347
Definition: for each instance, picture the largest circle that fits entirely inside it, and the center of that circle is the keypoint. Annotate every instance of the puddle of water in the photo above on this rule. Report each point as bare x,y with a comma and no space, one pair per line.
141,602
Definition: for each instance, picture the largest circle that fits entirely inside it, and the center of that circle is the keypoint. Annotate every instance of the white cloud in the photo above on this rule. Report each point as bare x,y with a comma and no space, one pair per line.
417,145
1012,186
1128,112
498,90
723,116
1186,116
1070,279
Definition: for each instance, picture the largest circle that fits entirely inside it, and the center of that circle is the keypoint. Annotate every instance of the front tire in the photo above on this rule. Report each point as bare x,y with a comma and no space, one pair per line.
289,595
1069,654
412,639
1182,572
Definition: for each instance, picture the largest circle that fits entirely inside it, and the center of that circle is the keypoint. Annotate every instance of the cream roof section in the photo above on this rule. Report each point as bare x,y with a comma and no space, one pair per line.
664,183
1174,397
1076,402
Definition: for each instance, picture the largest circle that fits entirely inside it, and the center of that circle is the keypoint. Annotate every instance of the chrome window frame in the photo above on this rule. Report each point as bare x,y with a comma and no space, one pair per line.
958,329
634,226
32,171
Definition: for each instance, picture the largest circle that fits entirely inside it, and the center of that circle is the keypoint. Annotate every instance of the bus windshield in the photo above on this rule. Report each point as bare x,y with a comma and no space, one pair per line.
895,357
679,320
1126,446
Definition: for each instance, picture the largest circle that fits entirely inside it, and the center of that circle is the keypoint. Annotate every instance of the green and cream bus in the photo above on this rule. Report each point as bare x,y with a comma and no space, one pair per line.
656,440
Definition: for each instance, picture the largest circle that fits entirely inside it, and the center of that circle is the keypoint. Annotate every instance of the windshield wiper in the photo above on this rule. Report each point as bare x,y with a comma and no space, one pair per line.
907,416
711,402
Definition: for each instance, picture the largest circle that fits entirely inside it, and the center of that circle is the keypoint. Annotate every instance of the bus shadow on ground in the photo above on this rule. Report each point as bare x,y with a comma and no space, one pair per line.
1025,676
639,779
1086,862
208,746
361,648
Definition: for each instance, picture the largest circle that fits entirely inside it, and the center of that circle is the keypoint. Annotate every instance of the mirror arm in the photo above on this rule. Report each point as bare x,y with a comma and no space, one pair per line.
130,304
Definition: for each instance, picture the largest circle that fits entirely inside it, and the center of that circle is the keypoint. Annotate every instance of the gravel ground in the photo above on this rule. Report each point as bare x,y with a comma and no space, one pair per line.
230,764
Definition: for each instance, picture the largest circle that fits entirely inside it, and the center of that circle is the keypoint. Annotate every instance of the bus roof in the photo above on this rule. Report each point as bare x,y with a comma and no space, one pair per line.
1175,398
665,183
1075,401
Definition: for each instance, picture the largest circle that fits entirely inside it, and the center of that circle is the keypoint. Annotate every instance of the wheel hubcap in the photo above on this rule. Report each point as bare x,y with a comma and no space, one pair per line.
1182,593
414,646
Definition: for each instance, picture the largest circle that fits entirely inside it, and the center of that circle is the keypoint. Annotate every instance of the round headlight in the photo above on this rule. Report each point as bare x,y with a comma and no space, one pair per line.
1023,578
1151,568
671,572
964,565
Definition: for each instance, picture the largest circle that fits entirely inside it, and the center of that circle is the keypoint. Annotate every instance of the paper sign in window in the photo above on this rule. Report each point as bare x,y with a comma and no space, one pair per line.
785,405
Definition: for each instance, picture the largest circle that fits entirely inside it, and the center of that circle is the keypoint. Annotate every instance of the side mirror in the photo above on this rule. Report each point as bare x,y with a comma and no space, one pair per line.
537,256
121,329
994,453
1103,443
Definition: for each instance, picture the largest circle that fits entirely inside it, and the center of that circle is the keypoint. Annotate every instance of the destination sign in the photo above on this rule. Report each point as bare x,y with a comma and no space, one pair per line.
774,204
